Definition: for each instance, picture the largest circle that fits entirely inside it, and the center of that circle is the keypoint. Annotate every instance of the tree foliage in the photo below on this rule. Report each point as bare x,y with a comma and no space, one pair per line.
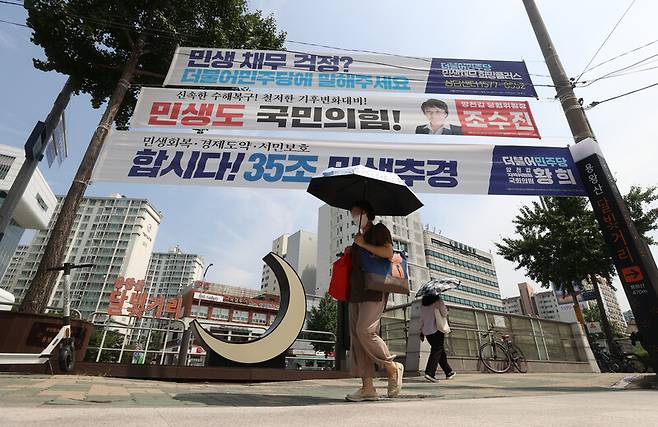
90,40
593,314
109,49
562,243
323,318
639,202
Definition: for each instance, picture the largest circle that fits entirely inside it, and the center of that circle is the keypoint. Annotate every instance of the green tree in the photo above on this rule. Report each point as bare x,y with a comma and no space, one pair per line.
109,48
323,318
593,314
560,243
639,202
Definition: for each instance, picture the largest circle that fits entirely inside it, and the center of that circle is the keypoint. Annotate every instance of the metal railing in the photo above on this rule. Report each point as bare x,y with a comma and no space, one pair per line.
16,305
136,339
528,333
110,324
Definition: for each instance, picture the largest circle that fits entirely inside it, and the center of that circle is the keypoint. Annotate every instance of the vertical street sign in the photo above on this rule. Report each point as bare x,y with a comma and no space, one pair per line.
630,253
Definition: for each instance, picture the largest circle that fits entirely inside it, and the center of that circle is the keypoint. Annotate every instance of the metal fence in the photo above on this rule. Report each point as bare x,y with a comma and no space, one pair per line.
539,339
157,341
75,313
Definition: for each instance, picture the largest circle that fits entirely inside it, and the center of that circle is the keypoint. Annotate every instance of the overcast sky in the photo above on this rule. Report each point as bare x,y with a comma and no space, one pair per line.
234,228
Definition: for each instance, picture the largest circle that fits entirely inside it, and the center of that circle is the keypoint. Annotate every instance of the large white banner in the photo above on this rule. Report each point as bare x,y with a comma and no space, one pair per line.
230,68
158,158
311,112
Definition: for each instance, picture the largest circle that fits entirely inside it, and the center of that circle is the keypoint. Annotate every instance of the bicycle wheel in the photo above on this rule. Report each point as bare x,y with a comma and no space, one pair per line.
518,359
495,357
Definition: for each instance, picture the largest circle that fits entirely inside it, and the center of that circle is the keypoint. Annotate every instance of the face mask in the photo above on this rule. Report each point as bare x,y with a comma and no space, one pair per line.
364,220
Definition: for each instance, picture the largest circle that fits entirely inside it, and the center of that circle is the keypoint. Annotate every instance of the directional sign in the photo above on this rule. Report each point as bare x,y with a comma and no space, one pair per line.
34,144
630,253
632,274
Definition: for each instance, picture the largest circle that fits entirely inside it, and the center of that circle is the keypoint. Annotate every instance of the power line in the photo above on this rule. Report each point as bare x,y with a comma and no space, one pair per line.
13,23
12,3
635,64
595,103
356,50
627,73
605,40
178,36
181,36
622,54
623,74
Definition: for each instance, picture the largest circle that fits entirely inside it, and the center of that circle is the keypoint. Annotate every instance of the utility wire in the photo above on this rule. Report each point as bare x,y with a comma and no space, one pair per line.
595,103
13,23
622,54
605,40
355,50
625,74
641,61
175,35
180,36
12,3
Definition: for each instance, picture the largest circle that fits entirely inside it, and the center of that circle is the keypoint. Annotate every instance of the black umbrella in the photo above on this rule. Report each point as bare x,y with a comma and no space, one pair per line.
385,191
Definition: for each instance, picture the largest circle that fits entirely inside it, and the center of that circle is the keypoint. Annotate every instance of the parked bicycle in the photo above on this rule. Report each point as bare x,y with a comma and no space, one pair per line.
612,362
499,356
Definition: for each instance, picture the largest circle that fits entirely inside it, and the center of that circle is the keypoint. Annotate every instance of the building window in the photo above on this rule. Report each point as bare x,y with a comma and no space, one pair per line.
200,311
259,318
240,316
219,313
400,246
5,165
42,203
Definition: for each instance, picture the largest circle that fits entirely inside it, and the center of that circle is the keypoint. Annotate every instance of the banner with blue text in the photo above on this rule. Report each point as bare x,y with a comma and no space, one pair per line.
217,67
236,161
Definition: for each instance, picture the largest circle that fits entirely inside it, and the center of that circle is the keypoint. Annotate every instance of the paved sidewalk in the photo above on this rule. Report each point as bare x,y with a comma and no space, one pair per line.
633,408
19,390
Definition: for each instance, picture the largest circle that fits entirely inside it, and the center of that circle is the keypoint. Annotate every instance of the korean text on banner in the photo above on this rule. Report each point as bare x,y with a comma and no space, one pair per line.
308,112
290,163
370,72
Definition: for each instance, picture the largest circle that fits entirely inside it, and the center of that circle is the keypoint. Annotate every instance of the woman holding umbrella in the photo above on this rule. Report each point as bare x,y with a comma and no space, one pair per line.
434,325
435,336
386,194
366,308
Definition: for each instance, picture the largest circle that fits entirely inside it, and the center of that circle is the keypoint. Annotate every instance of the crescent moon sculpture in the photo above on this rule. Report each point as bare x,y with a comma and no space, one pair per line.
281,334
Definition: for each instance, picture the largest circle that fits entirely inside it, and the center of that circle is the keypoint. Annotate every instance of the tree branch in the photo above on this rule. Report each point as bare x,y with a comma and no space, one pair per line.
138,72
130,39
149,73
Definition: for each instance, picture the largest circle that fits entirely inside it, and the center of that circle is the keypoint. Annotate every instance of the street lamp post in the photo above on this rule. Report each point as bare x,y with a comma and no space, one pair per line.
185,339
206,272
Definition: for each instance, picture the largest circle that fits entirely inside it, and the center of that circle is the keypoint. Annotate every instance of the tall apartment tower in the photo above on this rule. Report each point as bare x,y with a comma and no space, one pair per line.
114,233
300,251
170,272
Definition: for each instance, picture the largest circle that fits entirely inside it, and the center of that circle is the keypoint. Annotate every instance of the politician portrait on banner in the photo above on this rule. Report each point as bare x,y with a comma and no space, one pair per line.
215,110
